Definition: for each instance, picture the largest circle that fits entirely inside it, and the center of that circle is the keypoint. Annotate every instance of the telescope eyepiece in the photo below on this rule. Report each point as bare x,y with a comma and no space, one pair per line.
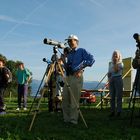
44,59
45,41
47,61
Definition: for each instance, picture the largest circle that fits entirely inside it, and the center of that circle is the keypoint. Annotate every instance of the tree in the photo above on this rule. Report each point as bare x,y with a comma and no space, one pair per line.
12,66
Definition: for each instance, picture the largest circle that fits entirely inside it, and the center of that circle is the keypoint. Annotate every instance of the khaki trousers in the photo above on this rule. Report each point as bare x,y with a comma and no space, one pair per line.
69,107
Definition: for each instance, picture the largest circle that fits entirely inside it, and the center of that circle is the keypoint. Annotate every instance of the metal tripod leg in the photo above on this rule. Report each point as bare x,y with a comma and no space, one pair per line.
69,88
76,103
133,95
131,98
37,93
37,109
52,67
133,101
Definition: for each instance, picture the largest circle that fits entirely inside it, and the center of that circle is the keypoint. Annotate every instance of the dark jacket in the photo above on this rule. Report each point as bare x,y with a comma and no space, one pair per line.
135,60
3,77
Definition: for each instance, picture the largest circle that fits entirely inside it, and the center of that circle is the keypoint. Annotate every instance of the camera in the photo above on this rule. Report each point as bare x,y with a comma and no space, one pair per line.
54,43
136,36
135,62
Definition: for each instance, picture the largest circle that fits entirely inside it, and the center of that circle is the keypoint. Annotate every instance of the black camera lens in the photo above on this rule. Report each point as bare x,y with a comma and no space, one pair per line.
136,36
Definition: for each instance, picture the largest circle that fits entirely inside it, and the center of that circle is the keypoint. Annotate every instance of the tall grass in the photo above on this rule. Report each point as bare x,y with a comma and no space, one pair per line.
50,126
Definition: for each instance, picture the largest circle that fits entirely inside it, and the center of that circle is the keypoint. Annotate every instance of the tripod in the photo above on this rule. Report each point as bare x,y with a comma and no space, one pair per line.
38,90
52,68
133,95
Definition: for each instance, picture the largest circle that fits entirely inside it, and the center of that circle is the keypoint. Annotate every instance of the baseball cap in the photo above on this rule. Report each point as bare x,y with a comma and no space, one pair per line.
72,37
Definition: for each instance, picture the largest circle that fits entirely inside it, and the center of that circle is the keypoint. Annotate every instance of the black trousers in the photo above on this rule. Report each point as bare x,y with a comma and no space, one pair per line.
2,90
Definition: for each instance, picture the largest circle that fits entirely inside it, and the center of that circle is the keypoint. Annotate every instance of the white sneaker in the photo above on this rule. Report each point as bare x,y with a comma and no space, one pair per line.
18,109
24,108
4,108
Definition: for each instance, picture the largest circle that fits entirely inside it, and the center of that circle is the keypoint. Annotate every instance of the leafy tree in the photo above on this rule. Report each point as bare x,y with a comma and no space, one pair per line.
2,56
12,66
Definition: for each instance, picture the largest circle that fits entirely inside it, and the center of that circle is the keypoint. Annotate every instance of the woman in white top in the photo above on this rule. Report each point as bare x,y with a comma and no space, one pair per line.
116,82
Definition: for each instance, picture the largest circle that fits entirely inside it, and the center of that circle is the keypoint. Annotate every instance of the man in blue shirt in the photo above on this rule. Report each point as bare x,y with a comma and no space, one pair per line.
77,60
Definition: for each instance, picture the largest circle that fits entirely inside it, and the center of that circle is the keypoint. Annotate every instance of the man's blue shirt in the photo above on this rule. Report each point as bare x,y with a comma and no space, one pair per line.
79,59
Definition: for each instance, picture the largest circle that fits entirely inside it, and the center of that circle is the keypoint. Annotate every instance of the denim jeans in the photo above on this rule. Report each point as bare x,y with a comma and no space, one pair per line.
116,91
22,93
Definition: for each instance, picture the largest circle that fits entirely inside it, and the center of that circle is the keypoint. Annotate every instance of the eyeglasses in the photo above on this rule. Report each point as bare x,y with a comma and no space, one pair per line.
71,40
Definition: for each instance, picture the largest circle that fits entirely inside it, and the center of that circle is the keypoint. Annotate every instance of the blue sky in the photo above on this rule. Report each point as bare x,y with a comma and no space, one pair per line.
102,26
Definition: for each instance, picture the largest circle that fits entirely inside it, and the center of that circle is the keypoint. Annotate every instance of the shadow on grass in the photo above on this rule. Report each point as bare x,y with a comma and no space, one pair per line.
15,125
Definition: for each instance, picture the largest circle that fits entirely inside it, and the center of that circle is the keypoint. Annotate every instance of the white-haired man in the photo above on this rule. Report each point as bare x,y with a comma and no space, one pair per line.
77,60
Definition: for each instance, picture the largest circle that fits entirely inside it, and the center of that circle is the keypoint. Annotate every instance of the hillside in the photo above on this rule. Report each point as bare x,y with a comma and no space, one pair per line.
87,85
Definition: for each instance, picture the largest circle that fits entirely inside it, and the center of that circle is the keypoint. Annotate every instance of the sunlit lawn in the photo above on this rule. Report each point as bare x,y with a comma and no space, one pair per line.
49,126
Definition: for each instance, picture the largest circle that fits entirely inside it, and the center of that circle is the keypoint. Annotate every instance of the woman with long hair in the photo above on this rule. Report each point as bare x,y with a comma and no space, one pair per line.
116,83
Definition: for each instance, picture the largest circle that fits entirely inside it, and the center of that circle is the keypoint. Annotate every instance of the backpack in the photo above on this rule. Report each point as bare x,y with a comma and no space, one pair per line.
8,80
4,80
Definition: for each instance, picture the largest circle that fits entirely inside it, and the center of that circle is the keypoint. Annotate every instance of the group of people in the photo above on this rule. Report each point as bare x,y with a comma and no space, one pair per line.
23,76
75,60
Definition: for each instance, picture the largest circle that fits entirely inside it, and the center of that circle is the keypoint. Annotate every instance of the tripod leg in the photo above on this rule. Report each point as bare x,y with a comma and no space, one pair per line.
37,93
69,88
131,98
132,113
34,116
48,78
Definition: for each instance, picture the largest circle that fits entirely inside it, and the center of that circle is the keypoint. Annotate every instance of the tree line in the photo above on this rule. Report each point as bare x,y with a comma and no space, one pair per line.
12,86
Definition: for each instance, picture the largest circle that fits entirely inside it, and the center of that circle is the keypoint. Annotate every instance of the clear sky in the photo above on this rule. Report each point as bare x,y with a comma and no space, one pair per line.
102,26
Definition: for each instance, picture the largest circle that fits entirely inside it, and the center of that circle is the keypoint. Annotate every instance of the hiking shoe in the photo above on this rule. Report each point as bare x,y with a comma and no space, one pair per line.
118,114
112,114
4,108
73,122
18,109
24,108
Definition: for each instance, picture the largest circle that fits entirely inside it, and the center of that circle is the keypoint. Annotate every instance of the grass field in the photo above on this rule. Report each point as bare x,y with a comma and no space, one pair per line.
50,126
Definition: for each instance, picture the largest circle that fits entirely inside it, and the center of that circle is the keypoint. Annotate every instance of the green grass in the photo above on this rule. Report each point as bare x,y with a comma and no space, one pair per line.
15,125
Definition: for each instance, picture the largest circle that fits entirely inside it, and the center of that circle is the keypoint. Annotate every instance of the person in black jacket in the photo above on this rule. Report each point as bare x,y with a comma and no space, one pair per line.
4,75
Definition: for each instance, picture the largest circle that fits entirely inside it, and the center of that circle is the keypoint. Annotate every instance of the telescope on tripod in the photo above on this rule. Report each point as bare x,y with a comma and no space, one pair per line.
47,75
136,85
